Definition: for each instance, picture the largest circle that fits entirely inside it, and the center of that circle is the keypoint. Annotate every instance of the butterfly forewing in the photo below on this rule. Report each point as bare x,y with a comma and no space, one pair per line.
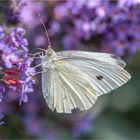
104,58
105,70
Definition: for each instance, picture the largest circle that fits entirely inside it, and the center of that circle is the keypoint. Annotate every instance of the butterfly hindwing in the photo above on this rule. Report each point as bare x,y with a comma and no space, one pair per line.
66,87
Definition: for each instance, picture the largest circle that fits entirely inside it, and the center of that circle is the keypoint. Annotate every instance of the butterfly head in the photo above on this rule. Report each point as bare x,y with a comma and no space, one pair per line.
50,52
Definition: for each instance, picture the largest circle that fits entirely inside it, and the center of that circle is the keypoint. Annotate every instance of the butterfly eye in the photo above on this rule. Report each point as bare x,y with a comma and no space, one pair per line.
50,52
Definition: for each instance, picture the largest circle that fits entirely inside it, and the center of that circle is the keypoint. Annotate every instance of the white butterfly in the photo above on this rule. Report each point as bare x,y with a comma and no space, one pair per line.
75,79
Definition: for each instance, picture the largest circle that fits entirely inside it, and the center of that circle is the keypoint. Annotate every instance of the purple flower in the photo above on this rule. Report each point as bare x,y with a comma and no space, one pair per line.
115,24
14,10
70,42
123,3
18,40
26,88
61,11
9,58
29,13
54,28
16,64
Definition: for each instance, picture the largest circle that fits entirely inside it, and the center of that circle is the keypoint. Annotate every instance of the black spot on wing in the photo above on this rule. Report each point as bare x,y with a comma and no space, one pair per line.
99,77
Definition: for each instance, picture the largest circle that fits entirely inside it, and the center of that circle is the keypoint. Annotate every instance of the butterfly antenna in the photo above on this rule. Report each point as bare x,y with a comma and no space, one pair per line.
45,31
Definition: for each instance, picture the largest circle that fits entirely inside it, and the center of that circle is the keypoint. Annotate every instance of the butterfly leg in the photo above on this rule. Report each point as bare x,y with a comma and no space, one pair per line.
34,55
39,49
37,52
41,70
41,56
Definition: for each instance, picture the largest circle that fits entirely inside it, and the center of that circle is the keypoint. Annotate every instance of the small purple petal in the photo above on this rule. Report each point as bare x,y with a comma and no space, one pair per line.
24,42
20,31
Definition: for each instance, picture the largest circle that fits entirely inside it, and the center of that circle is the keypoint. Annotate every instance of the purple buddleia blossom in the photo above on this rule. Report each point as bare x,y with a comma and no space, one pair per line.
123,3
14,11
112,22
26,88
29,13
70,42
54,28
15,65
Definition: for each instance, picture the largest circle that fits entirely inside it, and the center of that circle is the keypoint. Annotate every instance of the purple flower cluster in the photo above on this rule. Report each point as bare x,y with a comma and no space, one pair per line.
16,73
29,13
14,10
113,26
